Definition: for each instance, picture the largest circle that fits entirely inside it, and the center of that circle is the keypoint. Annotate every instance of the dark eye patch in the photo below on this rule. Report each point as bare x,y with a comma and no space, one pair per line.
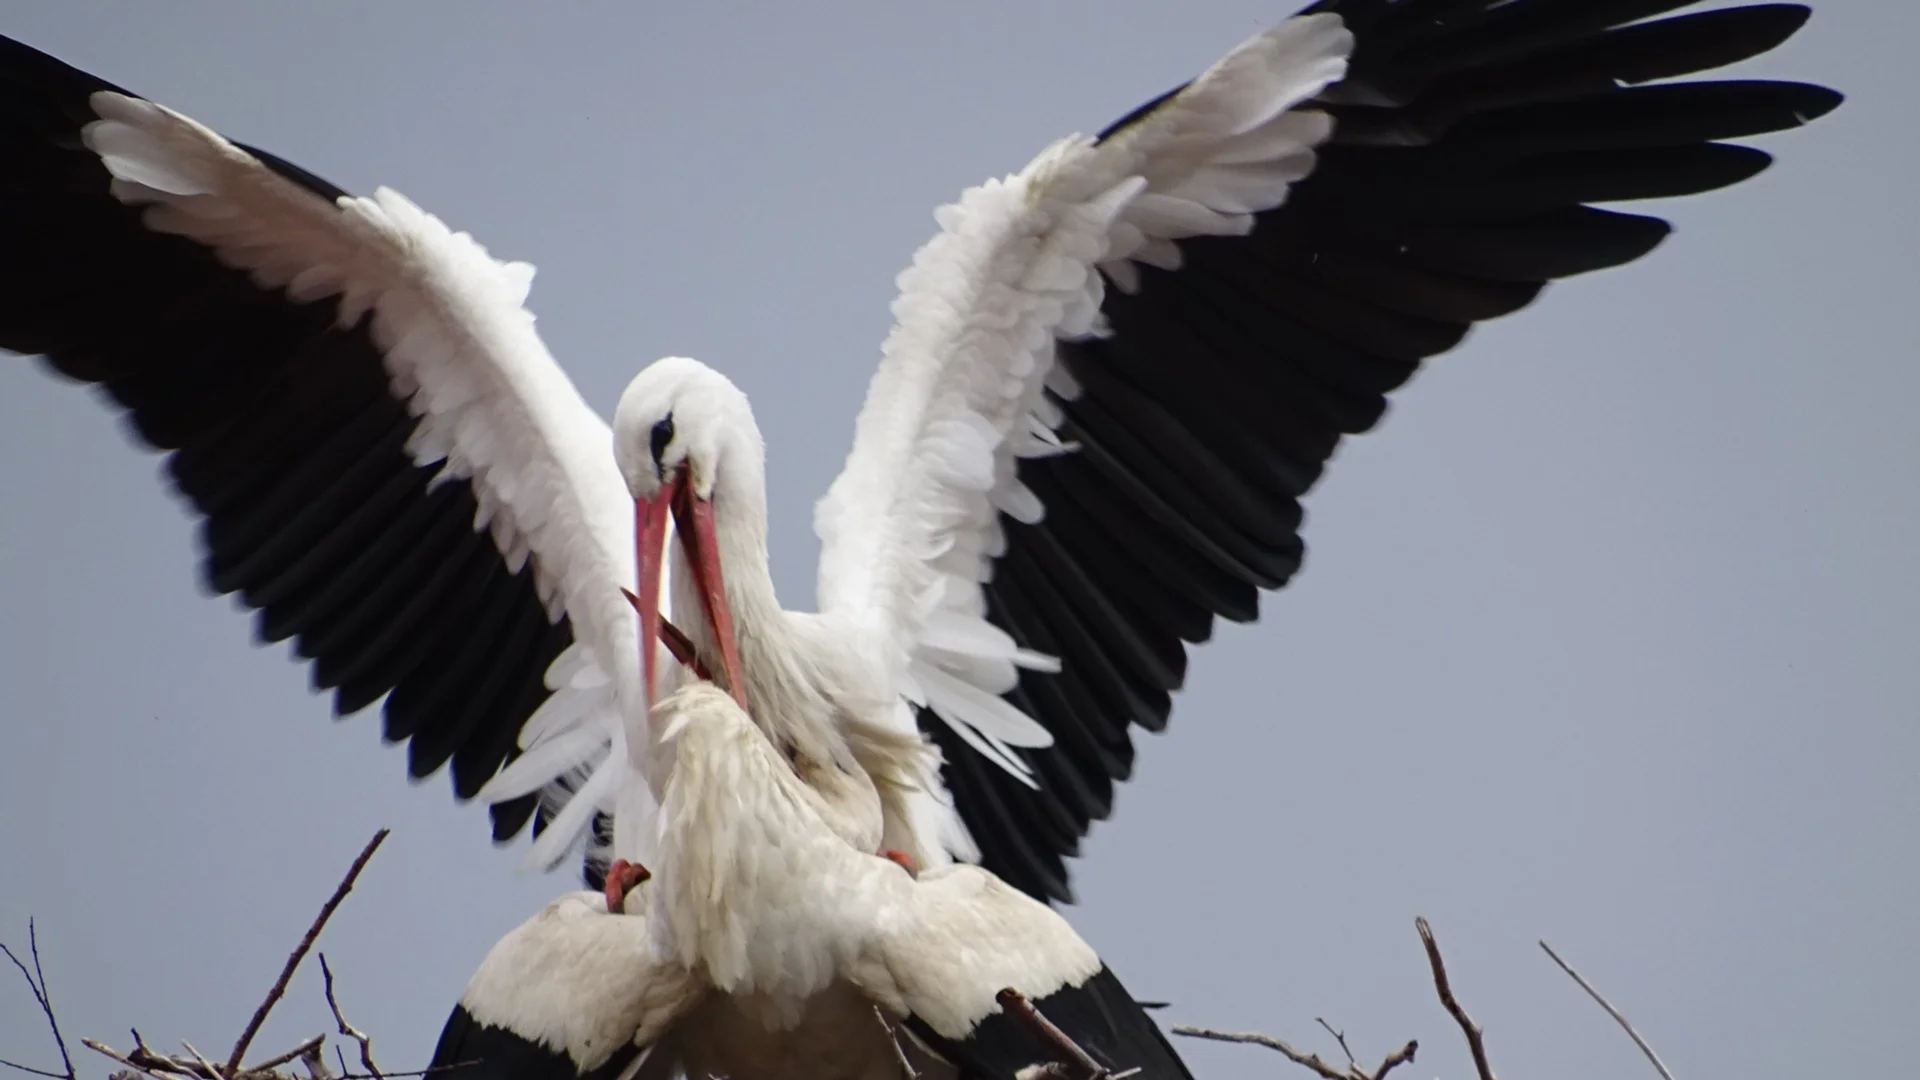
662,435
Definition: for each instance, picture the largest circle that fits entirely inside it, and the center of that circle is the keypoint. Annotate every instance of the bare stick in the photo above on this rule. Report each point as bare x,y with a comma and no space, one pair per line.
300,951
1339,1037
31,1070
351,1032
1611,1011
146,1057
300,1051
1311,1061
40,995
1018,1006
315,1063
1315,1062
200,1058
1399,1057
1445,990
148,1068
899,1052
429,1071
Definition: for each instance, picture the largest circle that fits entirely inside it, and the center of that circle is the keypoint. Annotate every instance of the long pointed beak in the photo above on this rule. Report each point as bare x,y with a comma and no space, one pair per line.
694,518
650,543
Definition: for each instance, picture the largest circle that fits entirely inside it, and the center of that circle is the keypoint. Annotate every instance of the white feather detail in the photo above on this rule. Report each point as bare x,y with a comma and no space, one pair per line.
566,710
1018,502
968,636
567,827
991,749
544,763
985,712
460,350
968,381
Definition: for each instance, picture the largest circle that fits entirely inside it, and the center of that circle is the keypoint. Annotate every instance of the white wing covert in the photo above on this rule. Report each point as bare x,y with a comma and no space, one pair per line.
391,468
912,525
1117,373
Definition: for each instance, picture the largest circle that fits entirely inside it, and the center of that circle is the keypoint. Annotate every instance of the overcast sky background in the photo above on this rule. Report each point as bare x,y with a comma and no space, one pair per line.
1607,636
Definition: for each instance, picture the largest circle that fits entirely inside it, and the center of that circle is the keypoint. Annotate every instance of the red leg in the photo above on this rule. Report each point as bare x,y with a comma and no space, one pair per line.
622,877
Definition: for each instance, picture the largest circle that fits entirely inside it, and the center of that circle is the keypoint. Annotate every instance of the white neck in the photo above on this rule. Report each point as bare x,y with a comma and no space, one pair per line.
784,682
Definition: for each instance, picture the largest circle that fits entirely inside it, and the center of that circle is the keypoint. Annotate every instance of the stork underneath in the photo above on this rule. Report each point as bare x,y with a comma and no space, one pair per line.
767,946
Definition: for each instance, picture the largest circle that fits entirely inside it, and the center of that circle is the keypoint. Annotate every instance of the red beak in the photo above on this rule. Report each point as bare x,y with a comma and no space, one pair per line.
693,517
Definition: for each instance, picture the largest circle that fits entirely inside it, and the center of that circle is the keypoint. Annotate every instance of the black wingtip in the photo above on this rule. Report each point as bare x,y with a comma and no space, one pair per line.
1811,102
510,817
1789,18
1099,1015
471,1050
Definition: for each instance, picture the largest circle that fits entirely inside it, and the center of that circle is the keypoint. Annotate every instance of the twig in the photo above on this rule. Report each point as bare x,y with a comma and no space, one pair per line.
1399,1057
200,1058
146,1057
146,1062
1311,1061
44,998
428,1071
1445,990
315,1063
300,951
1018,1006
899,1052
31,1070
351,1032
144,1069
1611,1011
275,1062
1339,1037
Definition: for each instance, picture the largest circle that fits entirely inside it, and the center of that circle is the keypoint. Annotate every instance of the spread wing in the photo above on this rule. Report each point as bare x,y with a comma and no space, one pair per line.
389,467
1116,373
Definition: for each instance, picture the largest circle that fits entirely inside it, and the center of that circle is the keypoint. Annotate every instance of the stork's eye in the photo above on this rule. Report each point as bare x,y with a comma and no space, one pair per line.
662,435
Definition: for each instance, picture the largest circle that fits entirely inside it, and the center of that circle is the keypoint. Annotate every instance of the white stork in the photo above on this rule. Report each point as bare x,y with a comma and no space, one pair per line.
765,947
1114,375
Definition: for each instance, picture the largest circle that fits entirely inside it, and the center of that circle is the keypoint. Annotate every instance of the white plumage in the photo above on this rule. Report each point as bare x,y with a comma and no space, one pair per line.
493,406
765,946
1112,376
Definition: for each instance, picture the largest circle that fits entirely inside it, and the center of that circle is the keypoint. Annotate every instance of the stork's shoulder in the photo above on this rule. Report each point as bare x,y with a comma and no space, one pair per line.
572,991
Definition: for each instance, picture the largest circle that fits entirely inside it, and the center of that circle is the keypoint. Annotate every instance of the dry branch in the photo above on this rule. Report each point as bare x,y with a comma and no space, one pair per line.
1339,1037
907,1071
1611,1011
37,982
1445,989
1441,985
145,1063
1072,1062
1017,1006
1353,1071
354,1033
300,951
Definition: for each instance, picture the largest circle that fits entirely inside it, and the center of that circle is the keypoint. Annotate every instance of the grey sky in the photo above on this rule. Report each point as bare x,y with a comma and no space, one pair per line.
1607,635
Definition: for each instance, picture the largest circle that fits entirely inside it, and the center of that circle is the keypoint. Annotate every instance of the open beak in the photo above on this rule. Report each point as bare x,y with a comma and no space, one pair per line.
693,518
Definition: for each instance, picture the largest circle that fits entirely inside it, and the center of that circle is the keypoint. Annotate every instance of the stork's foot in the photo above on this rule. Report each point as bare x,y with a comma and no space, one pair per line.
1070,1061
902,859
622,877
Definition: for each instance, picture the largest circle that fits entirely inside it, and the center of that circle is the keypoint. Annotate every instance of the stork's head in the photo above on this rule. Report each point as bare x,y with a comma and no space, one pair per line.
680,419
679,427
